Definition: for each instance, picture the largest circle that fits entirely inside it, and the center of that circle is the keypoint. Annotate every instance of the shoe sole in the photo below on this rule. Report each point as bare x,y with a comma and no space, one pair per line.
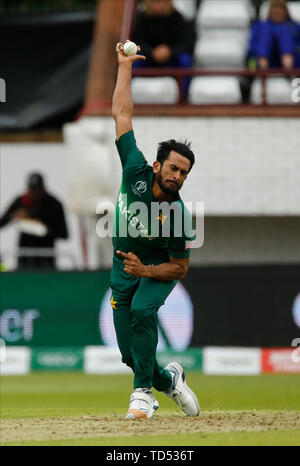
181,371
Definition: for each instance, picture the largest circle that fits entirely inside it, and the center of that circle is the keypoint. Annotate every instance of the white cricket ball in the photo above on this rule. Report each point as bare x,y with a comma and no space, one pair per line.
130,48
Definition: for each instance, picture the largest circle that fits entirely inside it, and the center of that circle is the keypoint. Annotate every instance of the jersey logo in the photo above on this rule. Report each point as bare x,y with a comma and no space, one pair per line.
113,303
161,218
141,186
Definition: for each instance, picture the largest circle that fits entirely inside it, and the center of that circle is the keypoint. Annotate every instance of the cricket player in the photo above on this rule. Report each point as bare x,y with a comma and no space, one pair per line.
146,267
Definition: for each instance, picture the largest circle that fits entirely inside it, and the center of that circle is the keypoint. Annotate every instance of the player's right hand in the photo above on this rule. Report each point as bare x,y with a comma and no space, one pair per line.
122,58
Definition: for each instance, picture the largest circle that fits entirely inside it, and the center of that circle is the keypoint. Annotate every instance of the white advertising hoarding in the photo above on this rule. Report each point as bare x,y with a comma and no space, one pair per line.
231,361
16,361
103,360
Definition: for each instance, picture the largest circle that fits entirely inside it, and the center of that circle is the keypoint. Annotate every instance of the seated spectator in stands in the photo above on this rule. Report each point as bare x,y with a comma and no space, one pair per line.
41,220
278,39
274,43
165,37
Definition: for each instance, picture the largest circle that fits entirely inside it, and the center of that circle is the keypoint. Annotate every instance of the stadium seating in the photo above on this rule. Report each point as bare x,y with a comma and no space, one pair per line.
221,49
222,29
223,13
187,8
161,90
294,9
278,91
263,12
214,90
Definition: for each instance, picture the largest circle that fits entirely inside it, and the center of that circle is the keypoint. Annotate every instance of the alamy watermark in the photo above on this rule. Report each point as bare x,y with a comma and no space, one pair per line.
2,90
162,221
296,91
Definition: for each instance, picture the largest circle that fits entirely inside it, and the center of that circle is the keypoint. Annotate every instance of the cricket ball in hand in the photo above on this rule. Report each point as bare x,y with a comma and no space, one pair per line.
130,48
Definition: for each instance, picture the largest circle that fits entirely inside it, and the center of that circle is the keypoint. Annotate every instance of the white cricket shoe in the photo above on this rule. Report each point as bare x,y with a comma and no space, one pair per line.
180,392
142,404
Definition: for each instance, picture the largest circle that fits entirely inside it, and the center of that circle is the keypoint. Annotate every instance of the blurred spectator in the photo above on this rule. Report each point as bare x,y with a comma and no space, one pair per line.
40,218
278,39
274,43
165,37
257,5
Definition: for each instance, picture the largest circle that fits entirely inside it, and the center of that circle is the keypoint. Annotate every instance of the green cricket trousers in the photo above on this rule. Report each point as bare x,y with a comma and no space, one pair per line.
135,302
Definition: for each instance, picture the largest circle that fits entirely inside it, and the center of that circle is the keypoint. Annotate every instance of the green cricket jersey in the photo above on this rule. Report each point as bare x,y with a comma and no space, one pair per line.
142,225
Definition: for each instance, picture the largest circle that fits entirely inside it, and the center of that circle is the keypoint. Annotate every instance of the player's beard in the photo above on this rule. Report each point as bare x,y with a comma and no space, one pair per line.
170,189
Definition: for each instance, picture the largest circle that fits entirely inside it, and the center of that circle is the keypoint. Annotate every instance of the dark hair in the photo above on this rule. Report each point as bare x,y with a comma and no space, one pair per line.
182,148
282,4
35,180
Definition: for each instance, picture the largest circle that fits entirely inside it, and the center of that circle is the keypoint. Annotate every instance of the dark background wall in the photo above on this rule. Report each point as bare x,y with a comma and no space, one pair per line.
44,64
233,306
244,305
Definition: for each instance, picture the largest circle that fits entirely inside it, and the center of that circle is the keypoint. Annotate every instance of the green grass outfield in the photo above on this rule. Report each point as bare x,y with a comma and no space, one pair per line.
78,409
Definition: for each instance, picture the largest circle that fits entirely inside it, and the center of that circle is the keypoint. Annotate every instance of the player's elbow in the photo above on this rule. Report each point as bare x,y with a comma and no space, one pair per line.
115,112
123,123
121,115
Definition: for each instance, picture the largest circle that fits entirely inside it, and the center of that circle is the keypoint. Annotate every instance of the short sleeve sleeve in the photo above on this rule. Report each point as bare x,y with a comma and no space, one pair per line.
130,155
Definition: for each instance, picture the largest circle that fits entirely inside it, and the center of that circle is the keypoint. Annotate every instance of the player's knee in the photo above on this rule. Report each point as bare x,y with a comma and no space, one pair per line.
143,317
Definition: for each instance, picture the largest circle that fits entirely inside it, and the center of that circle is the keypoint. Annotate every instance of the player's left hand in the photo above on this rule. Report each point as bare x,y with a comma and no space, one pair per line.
132,264
122,58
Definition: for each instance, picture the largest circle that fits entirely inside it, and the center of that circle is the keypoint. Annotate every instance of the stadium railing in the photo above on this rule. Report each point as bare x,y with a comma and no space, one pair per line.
103,108
179,74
